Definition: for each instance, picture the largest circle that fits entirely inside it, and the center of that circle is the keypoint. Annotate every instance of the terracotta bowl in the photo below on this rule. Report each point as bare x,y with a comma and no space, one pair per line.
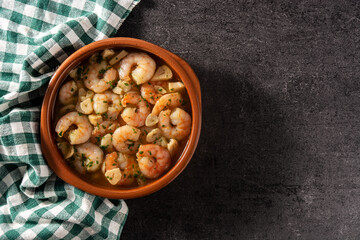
48,143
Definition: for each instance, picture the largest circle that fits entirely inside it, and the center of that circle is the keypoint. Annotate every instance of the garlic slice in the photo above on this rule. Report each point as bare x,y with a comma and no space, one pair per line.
163,73
113,176
176,86
118,57
151,120
173,146
66,149
153,135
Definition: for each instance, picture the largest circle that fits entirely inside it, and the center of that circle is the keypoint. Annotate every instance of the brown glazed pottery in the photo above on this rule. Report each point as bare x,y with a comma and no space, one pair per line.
48,143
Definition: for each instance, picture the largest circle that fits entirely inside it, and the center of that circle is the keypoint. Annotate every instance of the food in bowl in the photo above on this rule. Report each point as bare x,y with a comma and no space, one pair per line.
122,118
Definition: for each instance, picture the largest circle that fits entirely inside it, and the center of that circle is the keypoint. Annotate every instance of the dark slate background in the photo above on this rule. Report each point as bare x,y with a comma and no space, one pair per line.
278,156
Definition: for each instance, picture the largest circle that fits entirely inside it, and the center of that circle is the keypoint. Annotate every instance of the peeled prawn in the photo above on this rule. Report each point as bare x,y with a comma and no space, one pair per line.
153,160
144,65
171,100
90,155
107,102
76,136
135,116
95,83
149,93
125,139
175,124
67,92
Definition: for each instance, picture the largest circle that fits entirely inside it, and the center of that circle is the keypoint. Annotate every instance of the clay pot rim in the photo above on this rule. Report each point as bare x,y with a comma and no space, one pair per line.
48,144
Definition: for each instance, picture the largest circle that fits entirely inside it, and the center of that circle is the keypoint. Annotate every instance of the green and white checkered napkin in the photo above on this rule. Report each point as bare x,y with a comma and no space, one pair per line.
35,37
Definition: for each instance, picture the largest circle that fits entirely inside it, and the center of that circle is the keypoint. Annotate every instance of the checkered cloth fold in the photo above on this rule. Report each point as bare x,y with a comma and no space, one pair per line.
35,37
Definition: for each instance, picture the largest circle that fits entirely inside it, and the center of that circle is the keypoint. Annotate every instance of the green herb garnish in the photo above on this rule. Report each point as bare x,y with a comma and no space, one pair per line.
102,71
79,71
99,58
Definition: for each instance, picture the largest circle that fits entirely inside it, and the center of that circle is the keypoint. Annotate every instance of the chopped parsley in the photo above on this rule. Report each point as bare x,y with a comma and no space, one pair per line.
99,58
79,72
112,84
102,71
104,147
60,133
131,145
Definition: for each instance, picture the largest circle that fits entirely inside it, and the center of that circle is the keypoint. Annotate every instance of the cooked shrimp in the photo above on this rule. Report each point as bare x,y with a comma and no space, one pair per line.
100,103
153,160
148,92
107,102
144,65
171,100
90,155
94,82
102,129
79,165
125,139
115,106
76,136
67,92
175,124
119,173
135,116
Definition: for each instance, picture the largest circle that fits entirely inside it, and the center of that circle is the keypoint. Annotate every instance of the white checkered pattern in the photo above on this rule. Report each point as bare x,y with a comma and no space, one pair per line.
34,203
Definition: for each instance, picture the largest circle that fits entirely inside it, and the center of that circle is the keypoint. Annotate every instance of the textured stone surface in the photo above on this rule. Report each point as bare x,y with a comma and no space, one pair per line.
279,152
